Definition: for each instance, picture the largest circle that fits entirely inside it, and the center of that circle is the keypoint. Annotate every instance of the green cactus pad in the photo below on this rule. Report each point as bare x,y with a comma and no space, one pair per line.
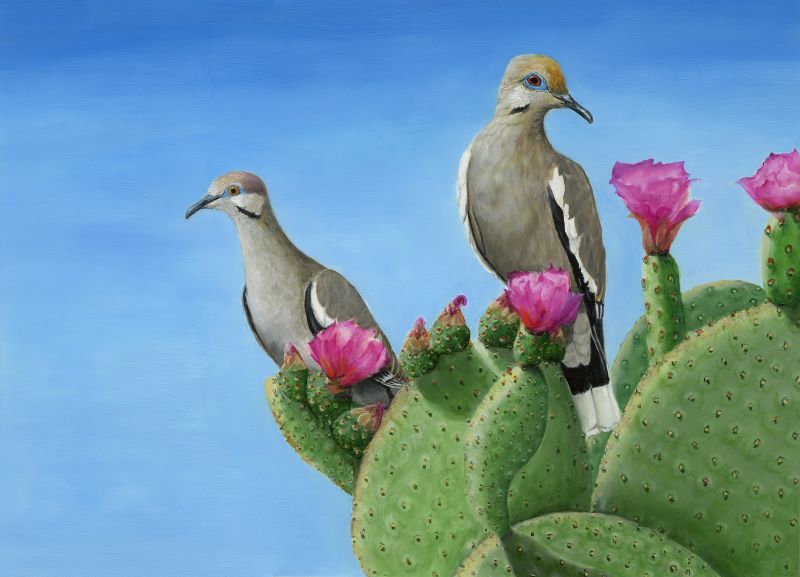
504,433
410,515
702,305
582,545
498,327
354,429
326,405
708,449
293,383
449,339
559,476
534,349
780,258
663,307
416,364
311,439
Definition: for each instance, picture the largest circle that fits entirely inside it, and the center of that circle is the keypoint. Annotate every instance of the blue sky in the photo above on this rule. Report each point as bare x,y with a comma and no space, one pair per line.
134,434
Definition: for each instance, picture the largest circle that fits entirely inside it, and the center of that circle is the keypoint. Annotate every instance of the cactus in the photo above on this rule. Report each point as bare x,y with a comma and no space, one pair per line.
504,433
410,515
707,451
663,308
456,460
558,477
326,404
780,258
416,356
310,438
354,429
581,544
702,307
479,467
498,325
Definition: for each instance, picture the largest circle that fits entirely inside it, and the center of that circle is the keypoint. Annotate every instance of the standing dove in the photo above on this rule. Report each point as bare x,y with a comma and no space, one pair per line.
526,207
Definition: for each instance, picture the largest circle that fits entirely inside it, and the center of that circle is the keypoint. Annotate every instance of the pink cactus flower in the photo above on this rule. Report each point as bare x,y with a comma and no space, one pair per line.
452,316
348,353
418,339
776,185
543,300
657,194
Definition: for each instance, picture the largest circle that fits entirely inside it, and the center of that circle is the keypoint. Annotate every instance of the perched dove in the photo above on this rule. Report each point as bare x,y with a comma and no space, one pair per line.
289,297
526,207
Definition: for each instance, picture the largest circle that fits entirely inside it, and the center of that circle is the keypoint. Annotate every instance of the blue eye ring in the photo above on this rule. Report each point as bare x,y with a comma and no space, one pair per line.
233,190
534,81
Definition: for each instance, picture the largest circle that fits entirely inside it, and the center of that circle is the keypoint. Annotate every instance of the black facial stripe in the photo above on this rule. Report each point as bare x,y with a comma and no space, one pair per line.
519,109
247,212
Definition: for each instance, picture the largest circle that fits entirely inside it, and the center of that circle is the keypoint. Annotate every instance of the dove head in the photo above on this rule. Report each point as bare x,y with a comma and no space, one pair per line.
534,84
240,194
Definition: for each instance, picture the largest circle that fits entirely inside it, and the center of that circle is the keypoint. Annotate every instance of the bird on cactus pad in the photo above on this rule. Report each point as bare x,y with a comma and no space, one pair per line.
526,207
288,297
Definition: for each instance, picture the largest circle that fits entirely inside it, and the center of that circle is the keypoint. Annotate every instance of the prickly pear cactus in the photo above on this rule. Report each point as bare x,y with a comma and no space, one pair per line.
310,438
410,515
325,428
582,544
702,307
455,460
708,449
480,468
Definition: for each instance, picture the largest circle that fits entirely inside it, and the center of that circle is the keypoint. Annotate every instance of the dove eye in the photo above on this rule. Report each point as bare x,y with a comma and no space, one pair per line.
233,190
533,81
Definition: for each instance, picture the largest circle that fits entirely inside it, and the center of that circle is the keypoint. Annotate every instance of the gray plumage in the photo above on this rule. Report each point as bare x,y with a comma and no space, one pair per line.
527,207
288,296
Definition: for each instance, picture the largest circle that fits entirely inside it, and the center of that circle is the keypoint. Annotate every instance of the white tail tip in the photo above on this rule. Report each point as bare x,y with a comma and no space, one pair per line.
584,406
605,406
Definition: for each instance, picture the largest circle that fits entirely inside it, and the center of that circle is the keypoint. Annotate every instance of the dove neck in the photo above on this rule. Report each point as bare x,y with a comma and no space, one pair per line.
270,258
535,127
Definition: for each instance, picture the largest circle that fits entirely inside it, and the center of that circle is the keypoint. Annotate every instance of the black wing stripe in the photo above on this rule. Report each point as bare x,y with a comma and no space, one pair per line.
594,309
311,319
250,319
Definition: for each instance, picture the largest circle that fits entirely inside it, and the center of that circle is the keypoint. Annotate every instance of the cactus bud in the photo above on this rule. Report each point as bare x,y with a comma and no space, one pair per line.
449,333
499,324
355,428
293,374
533,349
416,356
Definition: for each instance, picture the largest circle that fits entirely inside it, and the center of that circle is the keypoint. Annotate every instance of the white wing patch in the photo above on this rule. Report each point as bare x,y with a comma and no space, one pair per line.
316,307
461,192
558,187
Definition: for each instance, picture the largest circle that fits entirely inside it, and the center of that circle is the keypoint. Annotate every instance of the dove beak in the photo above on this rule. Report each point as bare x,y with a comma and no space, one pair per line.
572,104
202,203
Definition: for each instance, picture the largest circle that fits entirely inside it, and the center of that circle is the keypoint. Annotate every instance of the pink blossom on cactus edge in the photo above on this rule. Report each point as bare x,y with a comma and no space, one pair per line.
348,353
657,194
452,316
292,360
543,300
418,339
776,185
